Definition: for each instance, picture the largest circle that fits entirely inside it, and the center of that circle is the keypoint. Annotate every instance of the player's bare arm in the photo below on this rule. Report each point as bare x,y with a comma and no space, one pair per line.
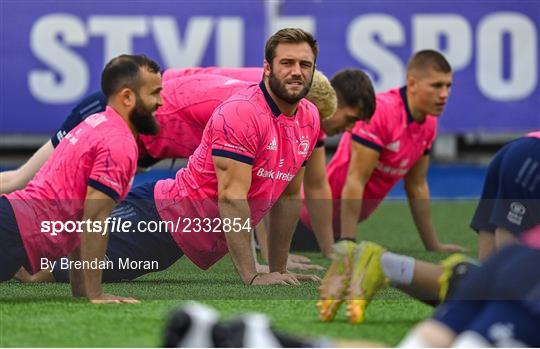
294,261
363,162
17,179
86,282
417,189
283,219
234,181
319,200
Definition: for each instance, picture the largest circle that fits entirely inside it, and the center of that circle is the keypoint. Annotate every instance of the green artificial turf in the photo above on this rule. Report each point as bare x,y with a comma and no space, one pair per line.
44,315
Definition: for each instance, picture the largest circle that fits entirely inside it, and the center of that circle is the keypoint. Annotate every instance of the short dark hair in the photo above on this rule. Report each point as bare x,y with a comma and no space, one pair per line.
428,59
289,36
124,71
354,89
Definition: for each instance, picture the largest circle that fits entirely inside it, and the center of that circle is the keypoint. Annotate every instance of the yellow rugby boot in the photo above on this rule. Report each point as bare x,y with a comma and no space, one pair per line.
335,282
367,279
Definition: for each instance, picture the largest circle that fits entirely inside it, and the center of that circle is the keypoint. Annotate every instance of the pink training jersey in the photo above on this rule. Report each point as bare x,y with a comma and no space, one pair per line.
248,128
400,141
188,103
252,74
190,96
100,152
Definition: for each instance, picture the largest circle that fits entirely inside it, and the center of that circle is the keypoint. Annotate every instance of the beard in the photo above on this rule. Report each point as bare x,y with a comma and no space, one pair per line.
142,119
280,89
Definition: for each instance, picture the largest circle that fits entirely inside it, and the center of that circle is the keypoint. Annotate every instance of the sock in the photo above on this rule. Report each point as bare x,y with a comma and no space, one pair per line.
398,268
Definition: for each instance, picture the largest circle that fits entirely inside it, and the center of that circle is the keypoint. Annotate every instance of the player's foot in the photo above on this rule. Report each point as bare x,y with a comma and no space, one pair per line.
335,282
191,327
367,278
456,266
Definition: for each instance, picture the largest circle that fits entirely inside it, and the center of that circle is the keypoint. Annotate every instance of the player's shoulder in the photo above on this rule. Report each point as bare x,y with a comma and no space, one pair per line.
109,124
389,102
245,102
110,131
308,109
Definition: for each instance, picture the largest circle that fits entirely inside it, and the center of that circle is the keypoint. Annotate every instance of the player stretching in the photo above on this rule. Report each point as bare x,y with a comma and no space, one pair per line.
250,163
372,158
82,181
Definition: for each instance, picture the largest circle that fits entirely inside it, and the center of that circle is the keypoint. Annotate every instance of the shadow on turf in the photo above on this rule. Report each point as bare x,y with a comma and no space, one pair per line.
184,281
33,299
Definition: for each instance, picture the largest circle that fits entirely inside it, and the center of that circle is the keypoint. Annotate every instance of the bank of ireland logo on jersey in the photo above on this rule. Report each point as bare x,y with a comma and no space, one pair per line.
303,145
515,215
272,145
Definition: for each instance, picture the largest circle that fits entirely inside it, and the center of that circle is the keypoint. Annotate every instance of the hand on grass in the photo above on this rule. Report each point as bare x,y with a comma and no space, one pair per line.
449,248
110,299
296,258
306,277
303,266
262,268
275,278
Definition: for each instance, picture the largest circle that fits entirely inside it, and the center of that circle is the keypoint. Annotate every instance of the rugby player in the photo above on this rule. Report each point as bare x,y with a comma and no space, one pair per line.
82,182
251,157
374,156
512,180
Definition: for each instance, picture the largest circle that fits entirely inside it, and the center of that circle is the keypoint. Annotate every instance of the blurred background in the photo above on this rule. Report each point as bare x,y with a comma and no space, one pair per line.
52,54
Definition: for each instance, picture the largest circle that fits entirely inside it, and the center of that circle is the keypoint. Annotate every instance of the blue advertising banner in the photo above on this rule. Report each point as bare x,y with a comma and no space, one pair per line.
493,47
52,52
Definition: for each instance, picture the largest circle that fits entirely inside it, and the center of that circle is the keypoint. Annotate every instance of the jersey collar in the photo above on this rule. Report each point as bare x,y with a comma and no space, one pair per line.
403,94
273,106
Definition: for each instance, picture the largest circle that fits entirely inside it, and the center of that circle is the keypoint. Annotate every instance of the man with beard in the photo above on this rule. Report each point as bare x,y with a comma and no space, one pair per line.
190,95
81,182
250,162
189,98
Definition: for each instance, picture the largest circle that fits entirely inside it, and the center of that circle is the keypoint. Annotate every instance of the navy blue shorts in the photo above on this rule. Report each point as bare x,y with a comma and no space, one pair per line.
94,103
129,248
511,194
499,289
507,324
12,253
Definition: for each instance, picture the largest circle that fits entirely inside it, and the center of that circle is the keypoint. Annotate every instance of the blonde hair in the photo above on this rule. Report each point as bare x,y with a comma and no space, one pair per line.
323,95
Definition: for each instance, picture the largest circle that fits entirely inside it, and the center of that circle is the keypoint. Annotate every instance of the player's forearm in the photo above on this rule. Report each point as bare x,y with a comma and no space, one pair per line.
260,230
19,178
283,220
92,248
420,206
10,181
76,280
319,206
16,179
239,240
351,206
